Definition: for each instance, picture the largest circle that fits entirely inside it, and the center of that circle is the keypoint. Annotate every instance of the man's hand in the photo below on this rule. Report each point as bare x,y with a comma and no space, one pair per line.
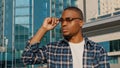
50,23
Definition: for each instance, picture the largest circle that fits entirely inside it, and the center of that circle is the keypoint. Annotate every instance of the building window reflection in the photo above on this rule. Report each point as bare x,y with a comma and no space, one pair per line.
22,3
111,46
22,20
115,45
22,11
114,60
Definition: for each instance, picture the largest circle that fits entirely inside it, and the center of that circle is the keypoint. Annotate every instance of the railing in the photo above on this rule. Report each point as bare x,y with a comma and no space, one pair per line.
104,16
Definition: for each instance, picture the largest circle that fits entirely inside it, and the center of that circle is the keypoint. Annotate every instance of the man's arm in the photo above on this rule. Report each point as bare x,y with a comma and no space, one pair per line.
104,59
49,24
32,53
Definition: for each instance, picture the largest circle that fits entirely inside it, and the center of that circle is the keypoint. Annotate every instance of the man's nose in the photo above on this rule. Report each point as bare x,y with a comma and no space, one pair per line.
64,23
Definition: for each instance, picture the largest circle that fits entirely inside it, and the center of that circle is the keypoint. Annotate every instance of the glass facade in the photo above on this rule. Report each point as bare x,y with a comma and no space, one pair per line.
112,46
115,45
41,11
1,34
22,27
1,23
114,59
6,20
15,31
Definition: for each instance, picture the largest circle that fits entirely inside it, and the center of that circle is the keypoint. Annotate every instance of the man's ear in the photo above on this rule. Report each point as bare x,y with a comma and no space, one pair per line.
81,23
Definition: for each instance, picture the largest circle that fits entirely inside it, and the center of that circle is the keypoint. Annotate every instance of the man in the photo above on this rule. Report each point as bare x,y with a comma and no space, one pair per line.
74,51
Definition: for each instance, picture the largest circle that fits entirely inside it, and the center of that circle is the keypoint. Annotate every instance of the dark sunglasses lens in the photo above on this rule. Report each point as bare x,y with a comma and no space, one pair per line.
61,19
68,19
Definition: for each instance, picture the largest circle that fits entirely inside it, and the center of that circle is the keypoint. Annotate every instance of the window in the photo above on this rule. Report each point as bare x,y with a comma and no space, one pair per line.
22,20
115,45
106,45
22,2
21,29
22,11
20,37
114,59
111,46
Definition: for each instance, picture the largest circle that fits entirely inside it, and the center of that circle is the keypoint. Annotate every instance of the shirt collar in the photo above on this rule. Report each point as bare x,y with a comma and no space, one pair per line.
88,43
63,42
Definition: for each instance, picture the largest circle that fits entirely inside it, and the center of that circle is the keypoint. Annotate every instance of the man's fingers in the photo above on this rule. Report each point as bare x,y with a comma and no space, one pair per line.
49,20
50,23
53,21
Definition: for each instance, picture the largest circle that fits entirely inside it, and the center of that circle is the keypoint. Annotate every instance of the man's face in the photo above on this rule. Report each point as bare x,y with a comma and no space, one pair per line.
71,23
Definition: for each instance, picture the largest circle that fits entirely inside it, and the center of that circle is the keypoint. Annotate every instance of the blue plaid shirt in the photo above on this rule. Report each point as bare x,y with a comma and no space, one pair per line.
58,55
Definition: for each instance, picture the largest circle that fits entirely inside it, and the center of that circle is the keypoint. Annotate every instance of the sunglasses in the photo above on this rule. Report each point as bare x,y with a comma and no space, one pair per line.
68,19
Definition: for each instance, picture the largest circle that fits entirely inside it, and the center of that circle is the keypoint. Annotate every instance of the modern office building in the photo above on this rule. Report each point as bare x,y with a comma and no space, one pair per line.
5,32
1,24
103,25
19,21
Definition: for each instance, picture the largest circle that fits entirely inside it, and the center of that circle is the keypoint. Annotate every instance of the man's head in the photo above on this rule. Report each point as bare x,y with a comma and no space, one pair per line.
71,21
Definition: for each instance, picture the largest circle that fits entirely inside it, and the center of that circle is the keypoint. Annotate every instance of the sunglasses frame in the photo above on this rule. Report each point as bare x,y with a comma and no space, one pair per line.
68,19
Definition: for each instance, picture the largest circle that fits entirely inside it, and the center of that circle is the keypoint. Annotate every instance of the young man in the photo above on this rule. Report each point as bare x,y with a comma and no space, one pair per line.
74,51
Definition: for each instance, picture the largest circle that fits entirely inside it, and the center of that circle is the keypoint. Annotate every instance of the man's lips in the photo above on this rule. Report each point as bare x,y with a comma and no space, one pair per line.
64,30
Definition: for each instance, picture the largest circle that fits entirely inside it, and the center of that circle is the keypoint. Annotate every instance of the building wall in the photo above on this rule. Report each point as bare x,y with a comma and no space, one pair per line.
109,6
90,7
116,65
96,8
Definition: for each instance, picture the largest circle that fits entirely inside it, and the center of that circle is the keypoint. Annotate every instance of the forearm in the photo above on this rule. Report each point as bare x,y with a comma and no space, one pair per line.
38,36
33,54
48,24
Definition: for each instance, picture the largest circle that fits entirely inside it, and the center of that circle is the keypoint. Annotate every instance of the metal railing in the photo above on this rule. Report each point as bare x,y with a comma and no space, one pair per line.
104,16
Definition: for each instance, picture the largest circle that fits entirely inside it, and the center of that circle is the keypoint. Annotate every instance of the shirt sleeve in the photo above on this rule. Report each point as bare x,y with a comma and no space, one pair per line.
32,54
104,59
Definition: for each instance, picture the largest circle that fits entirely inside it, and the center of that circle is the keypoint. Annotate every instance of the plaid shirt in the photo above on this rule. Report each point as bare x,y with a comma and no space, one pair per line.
58,55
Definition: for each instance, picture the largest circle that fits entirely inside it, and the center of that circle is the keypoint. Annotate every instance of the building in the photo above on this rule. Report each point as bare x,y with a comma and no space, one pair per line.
108,6
99,8
19,21
1,25
6,25
102,24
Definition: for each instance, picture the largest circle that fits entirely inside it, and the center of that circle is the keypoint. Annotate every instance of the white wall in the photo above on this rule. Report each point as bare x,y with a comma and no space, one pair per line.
91,8
106,37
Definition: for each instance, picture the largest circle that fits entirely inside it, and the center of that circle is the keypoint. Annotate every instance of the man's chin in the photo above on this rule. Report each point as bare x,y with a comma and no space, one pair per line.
65,34
67,37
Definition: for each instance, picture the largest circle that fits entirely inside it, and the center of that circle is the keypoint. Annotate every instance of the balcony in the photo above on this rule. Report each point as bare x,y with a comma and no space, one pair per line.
117,13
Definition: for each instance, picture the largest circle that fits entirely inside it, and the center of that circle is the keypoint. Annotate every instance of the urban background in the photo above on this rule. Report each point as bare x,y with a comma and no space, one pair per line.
20,19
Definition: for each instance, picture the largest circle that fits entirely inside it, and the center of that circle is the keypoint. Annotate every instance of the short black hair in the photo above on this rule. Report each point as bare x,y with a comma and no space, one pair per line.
76,9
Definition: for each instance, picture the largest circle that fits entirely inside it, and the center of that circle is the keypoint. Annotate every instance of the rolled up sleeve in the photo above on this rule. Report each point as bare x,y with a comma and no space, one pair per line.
32,54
